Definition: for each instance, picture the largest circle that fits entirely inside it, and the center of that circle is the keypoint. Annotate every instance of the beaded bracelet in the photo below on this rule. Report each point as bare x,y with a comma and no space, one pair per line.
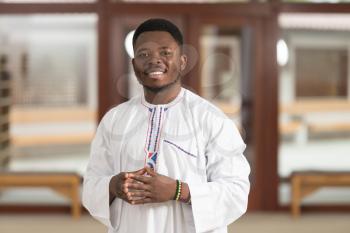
179,193
177,187
178,190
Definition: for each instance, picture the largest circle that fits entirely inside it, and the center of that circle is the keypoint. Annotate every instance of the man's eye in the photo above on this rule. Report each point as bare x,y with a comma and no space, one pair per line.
142,55
166,53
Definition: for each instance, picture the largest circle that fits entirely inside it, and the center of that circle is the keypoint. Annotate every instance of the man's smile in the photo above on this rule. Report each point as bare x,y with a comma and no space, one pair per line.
155,74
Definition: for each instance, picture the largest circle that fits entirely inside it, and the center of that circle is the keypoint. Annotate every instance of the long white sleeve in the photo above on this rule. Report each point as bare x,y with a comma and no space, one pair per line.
224,197
97,177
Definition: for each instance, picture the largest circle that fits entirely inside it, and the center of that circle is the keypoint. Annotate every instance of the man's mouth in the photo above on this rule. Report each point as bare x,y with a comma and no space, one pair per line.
155,74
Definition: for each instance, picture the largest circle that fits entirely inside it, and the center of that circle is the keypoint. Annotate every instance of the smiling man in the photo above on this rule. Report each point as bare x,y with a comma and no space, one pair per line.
166,161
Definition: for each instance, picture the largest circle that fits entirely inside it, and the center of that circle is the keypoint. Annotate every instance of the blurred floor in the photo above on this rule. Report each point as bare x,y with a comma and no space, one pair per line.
250,223
284,223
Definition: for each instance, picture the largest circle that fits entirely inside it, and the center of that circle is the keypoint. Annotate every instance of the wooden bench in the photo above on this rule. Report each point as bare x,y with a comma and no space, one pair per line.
29,116
302,107
303,118
67,184
339,127
307,182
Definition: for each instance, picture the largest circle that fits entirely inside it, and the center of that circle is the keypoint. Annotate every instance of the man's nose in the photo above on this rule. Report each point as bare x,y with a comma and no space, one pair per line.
154,59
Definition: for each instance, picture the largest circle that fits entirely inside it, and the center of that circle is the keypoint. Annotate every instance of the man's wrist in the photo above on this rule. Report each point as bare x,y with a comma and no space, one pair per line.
112,193
185,195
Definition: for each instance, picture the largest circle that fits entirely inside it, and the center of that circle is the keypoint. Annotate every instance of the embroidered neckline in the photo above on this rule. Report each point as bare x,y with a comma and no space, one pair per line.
165,106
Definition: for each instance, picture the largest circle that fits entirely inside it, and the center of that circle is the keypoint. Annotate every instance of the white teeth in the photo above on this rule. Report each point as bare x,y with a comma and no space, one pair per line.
156,73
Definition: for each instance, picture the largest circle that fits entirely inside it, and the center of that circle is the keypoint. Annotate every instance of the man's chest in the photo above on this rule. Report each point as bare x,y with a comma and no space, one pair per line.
164,141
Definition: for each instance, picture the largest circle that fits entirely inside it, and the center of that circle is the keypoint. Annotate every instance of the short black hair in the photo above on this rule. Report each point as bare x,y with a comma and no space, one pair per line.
158,24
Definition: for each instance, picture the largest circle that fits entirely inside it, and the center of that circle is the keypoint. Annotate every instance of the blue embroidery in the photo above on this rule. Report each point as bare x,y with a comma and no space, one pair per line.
159,126
150,135
178,147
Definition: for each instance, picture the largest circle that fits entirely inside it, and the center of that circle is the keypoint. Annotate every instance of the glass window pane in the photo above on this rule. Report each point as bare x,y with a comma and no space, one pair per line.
52,60
225,80
314,99
321,72
220,69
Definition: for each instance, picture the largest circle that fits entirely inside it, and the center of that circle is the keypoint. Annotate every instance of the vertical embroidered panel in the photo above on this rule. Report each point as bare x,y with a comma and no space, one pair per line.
153,136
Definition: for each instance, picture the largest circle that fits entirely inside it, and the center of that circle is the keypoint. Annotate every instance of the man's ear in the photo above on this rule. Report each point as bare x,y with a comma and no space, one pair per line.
134,67
183,60
133,63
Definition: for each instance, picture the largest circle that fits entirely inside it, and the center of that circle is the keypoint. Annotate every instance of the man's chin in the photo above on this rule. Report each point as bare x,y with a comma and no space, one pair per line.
156,89
164,87
160,88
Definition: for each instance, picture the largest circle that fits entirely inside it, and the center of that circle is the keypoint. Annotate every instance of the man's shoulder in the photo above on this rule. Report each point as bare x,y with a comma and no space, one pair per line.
133,102
204,107
121,109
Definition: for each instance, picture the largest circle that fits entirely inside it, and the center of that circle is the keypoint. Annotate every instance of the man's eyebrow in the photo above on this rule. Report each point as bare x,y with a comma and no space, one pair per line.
140,50
165,47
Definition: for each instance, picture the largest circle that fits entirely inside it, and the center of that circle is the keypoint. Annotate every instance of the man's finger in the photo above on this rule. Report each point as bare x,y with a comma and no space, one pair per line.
150,171
128,186
130,181
138,193
122,196
143,179
124,175
138,187
142,201
138,172
124,188
141,171
134,196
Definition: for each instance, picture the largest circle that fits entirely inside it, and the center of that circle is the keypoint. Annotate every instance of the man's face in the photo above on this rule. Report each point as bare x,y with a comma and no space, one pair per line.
158,60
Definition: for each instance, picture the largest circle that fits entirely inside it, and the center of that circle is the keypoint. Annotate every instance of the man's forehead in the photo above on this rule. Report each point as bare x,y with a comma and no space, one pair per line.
155,39
155,45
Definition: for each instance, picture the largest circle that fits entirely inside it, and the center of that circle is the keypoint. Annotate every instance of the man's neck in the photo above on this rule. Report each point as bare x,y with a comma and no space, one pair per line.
162,97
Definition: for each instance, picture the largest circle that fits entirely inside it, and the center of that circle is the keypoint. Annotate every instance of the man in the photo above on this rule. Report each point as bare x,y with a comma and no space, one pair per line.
166,161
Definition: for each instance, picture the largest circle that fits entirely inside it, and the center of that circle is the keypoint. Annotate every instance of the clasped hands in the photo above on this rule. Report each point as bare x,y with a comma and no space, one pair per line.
144,186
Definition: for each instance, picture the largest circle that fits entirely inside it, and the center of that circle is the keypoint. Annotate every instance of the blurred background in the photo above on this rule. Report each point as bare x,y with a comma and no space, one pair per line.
279,69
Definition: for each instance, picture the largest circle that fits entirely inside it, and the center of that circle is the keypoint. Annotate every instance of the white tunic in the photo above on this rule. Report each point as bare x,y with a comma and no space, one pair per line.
192,141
